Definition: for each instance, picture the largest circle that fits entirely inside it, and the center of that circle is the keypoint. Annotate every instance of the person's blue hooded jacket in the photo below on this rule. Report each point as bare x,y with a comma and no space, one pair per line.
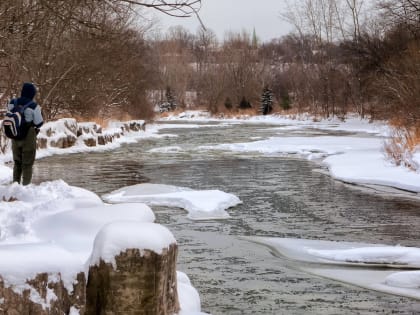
33,112
28,93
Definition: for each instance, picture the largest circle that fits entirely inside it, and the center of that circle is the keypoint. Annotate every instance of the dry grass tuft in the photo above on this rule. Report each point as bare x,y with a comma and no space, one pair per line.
399,148
235,113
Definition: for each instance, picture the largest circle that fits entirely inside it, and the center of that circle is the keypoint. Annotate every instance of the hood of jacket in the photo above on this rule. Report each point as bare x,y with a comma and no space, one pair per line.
28,91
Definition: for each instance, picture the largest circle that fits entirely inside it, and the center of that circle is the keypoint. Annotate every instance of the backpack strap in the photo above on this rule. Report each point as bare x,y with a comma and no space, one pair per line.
25,106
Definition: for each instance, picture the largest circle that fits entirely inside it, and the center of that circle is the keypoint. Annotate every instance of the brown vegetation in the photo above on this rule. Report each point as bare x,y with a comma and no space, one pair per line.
89,59
86,57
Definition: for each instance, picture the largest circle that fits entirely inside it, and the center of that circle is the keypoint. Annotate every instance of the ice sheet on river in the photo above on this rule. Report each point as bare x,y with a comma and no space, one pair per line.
200,204
372,266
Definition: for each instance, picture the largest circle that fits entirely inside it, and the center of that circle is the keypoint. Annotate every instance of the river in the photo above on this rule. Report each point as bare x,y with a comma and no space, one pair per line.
282,197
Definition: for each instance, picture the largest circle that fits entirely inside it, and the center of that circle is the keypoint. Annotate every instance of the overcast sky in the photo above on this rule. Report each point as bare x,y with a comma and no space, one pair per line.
236,15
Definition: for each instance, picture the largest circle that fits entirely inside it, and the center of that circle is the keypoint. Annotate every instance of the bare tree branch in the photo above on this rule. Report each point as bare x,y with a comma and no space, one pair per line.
177,8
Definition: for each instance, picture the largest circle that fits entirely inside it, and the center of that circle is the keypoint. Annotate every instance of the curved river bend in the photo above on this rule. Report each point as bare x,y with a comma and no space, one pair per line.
282,197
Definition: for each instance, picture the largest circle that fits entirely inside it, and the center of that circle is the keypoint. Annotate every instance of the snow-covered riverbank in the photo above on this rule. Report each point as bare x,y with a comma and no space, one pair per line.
357,158
56,229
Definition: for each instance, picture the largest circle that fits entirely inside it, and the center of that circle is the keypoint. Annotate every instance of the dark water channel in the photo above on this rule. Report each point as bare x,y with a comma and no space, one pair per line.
282,197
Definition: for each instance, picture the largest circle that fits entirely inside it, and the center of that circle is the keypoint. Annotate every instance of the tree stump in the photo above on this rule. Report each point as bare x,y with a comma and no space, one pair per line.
142,283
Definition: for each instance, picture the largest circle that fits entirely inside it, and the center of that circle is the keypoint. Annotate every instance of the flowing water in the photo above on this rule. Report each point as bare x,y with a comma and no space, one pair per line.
282,197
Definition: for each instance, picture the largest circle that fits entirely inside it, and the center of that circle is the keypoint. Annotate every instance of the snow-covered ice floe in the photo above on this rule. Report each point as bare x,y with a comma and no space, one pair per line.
389,269
200,204
56,228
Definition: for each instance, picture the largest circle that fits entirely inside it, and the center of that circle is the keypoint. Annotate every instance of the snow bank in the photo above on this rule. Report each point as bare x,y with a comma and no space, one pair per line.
21,206
6,174
189,299
188,296
52,228
406,279
65,128
60,228
201,205
354,263
66,135
352,159
20,262
370,167
190,115
387,255
353,123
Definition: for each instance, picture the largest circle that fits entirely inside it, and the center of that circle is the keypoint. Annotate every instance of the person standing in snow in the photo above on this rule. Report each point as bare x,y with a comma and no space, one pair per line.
24,150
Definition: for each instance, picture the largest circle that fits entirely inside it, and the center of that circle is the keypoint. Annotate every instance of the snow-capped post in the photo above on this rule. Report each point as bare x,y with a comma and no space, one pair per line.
133,270
266,101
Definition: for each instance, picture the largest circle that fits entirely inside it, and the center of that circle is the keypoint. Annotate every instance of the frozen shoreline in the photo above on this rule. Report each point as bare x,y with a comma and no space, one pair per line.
358,160
354,160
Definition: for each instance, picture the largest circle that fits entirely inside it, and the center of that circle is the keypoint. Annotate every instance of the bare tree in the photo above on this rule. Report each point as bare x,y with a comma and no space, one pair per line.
243,69
177,8
205,44
402,11
84,55
355,7
175,62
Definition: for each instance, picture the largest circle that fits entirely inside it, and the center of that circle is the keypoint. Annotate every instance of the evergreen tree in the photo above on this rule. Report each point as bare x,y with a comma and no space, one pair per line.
244,104
169,104
170,99
266,101
228,103
285,101
254,39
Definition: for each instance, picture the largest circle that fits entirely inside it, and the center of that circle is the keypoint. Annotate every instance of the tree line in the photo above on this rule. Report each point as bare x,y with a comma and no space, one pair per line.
88,58
343,57
101,59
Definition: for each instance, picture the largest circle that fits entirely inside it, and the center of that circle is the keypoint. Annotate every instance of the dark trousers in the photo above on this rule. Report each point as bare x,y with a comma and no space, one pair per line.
24,157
